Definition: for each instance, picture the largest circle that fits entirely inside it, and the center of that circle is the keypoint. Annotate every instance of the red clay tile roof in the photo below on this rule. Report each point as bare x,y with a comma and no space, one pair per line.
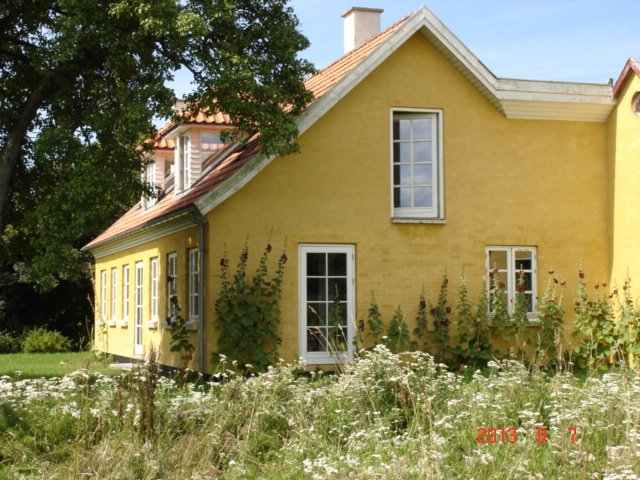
201,118
137,218
330,75
632,64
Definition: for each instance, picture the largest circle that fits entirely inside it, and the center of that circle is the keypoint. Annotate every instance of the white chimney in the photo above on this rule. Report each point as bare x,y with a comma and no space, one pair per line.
360,25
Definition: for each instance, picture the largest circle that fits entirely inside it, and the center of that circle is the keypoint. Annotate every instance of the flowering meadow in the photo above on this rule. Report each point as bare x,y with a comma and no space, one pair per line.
384,416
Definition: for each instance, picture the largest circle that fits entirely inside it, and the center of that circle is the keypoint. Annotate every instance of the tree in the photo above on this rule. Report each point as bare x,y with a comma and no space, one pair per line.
80,84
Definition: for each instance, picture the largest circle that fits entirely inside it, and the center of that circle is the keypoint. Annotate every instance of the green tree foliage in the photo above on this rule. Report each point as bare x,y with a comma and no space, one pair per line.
80,84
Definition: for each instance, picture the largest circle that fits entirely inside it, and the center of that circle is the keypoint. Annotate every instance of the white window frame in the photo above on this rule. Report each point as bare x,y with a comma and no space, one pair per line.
194,284
512,272
183,162
114,294
172,285
125,295
154,271
326,358
150,178
436,212
103,295
139,312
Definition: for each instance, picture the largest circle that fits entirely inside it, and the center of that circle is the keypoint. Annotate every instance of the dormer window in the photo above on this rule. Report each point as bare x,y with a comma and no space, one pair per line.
149,177
183,162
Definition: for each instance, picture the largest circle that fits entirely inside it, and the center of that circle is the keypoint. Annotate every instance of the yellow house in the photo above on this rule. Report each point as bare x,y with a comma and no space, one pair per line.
414,160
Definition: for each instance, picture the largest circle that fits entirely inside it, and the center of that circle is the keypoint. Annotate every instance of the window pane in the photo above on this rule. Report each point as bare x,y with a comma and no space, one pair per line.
402,174
337,339
402,129
402,152
316,339
343,314
498,259
422,128
316,314
337,286
337,264
402,197
422,197
527,279
316,289
529,298
422,152
316,264
422,174
523,263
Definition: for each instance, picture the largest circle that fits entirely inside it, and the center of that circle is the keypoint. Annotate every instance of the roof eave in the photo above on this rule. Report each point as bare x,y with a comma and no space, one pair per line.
92,247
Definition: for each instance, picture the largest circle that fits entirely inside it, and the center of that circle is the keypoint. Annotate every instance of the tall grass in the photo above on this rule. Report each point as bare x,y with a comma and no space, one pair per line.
386,416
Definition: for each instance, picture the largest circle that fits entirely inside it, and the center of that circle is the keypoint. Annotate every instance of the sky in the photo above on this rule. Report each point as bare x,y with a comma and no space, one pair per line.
562,40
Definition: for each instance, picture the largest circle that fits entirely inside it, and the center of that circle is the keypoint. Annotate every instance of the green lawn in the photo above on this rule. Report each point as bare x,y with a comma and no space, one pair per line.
35,365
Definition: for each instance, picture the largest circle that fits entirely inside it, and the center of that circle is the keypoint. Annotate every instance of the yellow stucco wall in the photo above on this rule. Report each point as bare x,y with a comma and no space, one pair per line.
118,339
507,182
624,156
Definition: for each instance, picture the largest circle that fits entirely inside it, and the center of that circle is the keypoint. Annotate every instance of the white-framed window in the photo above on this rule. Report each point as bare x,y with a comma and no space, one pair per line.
155,272
507,264
327,302
183,162
194,284
149,178
172,284
125,294
416,164
114,293
103,295
137,334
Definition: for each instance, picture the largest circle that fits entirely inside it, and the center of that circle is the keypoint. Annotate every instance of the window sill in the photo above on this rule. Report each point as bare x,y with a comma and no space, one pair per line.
111,323
433,221
152,324
124,323
192,324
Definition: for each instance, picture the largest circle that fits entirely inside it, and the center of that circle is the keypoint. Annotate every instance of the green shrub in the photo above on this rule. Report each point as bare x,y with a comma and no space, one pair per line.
41,340
9,344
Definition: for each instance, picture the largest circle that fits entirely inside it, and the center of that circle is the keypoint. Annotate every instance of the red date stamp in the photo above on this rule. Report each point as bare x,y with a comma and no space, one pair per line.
510,435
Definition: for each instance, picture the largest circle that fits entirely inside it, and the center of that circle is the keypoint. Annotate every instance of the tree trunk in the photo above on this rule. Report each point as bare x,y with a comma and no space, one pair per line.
11,149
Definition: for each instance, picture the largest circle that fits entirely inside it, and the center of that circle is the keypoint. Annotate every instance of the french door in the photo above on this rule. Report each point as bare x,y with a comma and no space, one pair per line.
327,303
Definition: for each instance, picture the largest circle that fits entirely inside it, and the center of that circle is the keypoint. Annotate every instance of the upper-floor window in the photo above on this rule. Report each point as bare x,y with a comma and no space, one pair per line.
194,284
103,295
172,291
150,179
125,293
183,162
114,292
155,272
416,157
514,270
